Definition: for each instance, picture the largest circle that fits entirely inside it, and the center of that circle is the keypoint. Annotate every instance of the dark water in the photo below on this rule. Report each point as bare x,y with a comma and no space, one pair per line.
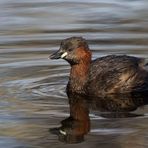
32,88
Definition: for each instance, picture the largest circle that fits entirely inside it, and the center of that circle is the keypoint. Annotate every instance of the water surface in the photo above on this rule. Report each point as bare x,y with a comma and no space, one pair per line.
32,88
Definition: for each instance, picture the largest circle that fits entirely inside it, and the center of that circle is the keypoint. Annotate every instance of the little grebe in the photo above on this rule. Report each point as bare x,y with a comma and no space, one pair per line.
106,75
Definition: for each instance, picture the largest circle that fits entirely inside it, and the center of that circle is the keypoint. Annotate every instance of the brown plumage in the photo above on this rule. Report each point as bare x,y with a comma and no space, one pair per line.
106,75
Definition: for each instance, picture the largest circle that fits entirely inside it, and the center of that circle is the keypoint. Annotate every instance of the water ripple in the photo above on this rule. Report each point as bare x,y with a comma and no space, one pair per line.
32,88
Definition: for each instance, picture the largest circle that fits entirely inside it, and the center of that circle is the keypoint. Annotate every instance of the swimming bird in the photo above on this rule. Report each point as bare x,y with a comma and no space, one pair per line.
112,74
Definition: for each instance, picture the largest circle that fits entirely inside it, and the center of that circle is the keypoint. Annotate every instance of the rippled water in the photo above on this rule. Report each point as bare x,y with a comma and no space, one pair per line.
32,88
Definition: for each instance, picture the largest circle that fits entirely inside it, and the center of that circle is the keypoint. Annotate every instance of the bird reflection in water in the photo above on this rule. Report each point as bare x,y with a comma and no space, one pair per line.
77,125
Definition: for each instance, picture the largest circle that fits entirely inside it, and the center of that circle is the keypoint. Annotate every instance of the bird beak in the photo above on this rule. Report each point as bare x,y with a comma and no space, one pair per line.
57,55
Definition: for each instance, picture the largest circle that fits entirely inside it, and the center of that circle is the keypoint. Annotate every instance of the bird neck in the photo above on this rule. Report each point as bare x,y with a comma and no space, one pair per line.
78,76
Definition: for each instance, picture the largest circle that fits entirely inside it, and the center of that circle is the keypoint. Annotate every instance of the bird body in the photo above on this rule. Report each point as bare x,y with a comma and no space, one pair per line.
111,74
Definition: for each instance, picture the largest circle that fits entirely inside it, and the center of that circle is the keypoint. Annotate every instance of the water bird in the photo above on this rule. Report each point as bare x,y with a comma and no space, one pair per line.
112,74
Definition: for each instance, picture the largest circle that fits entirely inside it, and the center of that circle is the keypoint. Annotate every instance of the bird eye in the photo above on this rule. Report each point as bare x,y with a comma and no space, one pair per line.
70,49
